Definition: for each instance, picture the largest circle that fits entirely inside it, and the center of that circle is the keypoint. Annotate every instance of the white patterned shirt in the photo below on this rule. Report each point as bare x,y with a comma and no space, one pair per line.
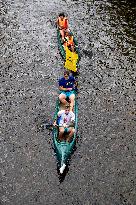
66,118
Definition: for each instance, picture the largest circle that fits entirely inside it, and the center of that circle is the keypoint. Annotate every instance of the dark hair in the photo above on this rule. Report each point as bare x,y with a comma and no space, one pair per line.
62,14
70,33
66,72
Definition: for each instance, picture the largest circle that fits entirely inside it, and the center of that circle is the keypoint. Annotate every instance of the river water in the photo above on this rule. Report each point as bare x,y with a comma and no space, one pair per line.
102,169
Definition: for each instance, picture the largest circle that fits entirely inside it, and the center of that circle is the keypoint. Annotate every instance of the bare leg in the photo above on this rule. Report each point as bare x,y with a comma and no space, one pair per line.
62,34
72,99
71,133
67,30
61,132
62,98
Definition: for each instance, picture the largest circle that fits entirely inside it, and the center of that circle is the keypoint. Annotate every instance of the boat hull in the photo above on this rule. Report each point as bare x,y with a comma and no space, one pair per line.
63,149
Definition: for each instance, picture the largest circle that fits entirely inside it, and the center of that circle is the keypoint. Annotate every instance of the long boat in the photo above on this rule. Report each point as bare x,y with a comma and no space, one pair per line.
61,47
63,149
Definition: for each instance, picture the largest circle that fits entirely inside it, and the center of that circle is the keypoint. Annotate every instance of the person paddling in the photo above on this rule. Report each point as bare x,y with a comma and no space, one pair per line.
66,87
69,41
65,123
62,23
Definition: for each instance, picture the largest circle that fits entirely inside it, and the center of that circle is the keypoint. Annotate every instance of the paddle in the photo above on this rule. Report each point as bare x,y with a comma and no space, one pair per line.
50,126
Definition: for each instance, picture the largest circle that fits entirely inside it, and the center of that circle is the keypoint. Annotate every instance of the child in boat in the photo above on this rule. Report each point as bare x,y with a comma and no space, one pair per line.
66,123
62,23
69,41
66,87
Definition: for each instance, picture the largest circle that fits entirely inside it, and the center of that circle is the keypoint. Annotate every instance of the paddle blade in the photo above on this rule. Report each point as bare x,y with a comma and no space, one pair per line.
71,60
62,169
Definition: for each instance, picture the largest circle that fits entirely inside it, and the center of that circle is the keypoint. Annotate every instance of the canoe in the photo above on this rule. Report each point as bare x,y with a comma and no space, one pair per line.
63,149
61,47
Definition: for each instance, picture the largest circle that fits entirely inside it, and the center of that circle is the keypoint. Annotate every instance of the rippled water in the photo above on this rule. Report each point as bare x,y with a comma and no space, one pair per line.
102,169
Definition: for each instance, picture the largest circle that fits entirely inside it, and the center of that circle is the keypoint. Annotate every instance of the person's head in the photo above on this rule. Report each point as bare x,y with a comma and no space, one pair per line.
71,48
70,35
67,108
66,74
62,15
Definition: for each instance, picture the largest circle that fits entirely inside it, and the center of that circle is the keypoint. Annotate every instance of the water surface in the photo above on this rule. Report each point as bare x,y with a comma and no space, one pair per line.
102,169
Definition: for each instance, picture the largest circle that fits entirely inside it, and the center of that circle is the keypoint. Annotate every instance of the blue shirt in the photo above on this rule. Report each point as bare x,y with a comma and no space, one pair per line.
67,83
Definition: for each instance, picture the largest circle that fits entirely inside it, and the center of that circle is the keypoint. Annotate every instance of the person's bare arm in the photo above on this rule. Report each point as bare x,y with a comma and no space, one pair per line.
67,23
64,89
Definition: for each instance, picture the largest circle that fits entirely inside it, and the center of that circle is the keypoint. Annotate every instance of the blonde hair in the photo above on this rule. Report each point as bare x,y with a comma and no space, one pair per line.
67,105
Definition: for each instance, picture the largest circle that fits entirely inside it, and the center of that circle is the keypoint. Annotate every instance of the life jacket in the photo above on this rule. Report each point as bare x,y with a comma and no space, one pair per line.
63,23
69,42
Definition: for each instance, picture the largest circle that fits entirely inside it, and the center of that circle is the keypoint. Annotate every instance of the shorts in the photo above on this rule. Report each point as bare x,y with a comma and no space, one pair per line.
66,130
67,93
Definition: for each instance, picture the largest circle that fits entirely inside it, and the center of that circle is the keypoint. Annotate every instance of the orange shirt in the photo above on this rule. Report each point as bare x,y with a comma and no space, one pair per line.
63,23
69,41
